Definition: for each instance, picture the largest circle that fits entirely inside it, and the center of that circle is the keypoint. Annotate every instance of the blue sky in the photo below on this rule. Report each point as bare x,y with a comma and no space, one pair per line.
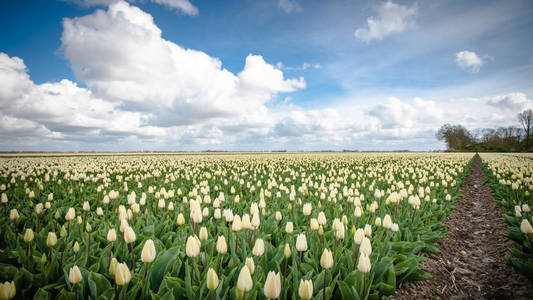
258,75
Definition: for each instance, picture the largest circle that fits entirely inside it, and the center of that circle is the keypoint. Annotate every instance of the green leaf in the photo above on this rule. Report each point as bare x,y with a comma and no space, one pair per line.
159,267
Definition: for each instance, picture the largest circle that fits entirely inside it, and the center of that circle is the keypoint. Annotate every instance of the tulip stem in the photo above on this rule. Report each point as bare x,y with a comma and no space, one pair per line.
355,252
124,287
132,258
324,290
110,256
300,261
145,271
364,285
284,271
192,270
76,291
37,223
212,295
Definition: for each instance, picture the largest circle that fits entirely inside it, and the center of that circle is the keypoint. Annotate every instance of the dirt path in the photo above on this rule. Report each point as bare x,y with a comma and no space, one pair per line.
473,262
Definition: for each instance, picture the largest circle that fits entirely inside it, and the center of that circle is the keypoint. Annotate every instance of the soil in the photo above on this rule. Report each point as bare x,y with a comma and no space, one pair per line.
473,262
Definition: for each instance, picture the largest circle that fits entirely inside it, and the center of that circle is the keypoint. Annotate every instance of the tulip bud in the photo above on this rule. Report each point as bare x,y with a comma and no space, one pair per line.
76,247
74,275
148,253
13,214
287,251
86,206
321,218
222,247
39,208
366,246
305,290
71,214
129,235
314,224
212,279
249,262
525,227
51,240
278,216
122,274
111,235
358,236
307,208
28,235
244,281
99,211
387,222
7,290
259,247
364,265
326,260
377,222
272,287
339,233
88,227
236,225
192,247
289,227
203,233
113,266
181,219
301,242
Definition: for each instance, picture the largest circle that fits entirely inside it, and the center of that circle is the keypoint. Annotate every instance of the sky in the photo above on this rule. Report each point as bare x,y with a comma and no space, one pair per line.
190,75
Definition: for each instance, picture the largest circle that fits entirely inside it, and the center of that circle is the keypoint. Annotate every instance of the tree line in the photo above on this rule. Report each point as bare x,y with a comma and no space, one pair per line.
502,139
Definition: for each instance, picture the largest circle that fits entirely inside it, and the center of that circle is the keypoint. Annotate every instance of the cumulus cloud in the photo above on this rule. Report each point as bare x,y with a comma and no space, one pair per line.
391,18
468,60
140,85
184,6
512,101
289,6
120,55
137,90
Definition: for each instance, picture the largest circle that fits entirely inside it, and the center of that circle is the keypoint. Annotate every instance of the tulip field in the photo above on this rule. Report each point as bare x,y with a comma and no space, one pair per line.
233,226
511,179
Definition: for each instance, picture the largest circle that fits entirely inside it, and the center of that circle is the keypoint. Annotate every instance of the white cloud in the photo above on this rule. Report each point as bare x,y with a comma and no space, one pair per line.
120,55
469,60
512,101
184,6
145,92
392,18
289,6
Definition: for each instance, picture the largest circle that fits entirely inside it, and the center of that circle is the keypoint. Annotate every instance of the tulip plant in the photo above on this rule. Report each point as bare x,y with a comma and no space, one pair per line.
511,178
225,226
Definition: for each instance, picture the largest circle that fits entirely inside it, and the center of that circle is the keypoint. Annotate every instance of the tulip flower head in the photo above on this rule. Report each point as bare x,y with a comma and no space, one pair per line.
212,279
74,275
7,290
305,290
326,260
244,281
301,243
272,288
122,274
148,253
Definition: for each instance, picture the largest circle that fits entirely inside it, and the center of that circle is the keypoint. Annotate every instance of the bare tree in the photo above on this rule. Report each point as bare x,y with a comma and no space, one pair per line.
526,119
